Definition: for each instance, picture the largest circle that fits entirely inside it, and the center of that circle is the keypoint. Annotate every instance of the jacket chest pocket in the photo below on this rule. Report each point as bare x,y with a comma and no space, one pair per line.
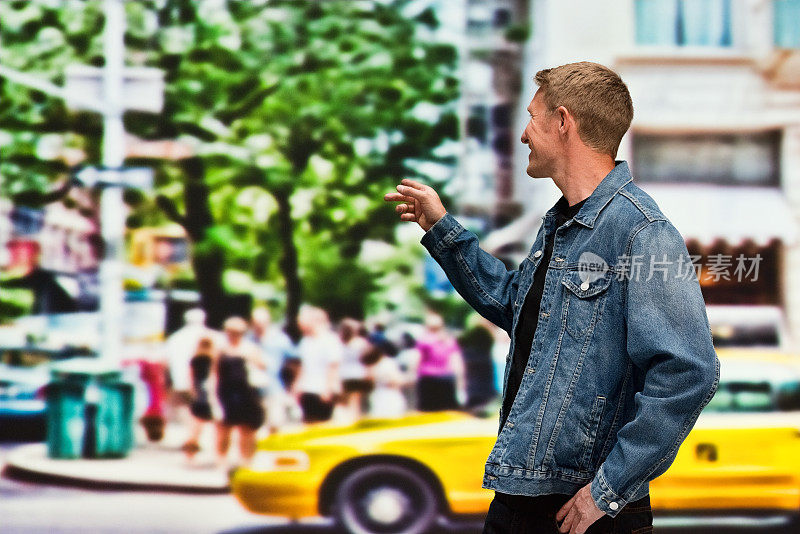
583,301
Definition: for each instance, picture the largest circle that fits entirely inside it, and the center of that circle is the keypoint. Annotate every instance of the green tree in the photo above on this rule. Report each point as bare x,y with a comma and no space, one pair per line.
322,106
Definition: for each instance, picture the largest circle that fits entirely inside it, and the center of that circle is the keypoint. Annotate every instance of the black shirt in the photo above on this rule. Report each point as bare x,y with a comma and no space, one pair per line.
529,317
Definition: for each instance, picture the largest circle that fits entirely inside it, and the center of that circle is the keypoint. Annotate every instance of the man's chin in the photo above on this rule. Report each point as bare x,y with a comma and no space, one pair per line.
533,173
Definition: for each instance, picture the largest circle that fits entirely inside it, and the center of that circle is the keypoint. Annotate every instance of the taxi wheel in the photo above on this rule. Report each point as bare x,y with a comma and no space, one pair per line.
386,499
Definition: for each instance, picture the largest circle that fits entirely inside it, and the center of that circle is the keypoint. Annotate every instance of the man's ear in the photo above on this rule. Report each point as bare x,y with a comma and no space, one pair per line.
564,119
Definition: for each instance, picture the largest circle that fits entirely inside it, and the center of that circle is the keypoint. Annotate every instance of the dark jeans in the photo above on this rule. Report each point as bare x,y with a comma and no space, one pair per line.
515,514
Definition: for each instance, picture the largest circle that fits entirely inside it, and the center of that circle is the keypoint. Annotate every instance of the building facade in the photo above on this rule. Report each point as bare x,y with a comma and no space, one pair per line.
715,137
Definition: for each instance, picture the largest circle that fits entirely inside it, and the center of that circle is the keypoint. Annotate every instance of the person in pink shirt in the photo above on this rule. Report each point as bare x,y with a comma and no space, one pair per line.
440,373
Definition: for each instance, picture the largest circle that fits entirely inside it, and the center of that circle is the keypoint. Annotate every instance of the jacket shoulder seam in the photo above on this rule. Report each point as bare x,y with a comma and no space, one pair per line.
649,214
628,249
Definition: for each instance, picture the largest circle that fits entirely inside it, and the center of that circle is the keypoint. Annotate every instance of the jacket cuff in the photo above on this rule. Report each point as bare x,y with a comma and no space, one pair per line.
442,234
604,497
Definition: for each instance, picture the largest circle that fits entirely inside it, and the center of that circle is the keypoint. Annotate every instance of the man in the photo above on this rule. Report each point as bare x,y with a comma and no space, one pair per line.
611,357
181,346
277,349
320,352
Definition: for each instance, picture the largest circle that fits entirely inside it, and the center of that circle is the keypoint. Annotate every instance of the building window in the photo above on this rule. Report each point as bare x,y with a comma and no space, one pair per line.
683,22
477,126
726,159
787,27
502,18
724,286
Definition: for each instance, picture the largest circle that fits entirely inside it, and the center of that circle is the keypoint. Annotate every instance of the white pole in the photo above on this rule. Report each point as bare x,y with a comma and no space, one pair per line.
112,213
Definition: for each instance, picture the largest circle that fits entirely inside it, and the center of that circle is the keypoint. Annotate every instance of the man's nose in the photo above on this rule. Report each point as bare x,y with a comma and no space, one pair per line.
524,137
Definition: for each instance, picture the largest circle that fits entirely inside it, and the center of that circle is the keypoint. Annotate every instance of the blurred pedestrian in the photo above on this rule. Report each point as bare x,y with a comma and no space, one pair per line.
240,400
440,374
386,398
277,349
379,339
408,360
320,352
180,347
204,404
356,383
476,346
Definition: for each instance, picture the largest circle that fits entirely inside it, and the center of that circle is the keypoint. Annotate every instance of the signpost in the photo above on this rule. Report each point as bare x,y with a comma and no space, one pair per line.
109,91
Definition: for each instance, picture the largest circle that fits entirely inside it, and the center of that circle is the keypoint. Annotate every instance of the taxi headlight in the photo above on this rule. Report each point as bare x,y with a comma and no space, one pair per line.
280,461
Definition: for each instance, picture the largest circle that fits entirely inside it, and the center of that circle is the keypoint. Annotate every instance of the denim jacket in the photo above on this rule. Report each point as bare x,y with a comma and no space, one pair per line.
622,361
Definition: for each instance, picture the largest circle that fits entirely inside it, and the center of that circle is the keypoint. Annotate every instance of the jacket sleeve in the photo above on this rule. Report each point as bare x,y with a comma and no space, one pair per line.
669,340
479,277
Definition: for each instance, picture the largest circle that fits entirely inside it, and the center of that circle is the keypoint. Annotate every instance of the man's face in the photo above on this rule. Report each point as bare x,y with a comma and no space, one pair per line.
541,136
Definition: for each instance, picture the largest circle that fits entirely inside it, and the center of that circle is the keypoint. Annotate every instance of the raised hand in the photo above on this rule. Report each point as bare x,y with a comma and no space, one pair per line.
420,203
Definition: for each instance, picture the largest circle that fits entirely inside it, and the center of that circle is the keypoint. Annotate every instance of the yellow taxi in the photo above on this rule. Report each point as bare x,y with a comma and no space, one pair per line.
399,476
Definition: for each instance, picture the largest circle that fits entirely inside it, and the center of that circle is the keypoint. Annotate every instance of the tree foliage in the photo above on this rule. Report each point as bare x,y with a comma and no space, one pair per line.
304,113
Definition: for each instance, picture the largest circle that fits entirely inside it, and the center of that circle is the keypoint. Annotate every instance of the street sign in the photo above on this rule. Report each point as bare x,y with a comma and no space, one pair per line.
137,177
160,149
142,87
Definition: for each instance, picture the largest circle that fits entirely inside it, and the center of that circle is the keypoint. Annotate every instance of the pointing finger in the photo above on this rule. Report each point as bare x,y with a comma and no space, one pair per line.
410,191
414,184
397,197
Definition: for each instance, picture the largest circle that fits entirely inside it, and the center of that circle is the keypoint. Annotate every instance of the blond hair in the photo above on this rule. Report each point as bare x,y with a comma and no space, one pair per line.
596,96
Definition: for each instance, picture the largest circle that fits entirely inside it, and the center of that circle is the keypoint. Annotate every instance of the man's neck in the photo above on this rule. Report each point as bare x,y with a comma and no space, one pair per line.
581,173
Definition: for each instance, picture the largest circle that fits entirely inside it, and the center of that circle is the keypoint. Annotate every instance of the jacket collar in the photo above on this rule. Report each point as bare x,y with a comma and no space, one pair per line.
601,196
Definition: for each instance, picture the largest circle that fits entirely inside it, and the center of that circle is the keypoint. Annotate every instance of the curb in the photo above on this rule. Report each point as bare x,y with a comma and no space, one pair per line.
142,470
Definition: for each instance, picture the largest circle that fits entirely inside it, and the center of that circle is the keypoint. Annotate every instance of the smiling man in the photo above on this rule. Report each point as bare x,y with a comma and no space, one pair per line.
611,357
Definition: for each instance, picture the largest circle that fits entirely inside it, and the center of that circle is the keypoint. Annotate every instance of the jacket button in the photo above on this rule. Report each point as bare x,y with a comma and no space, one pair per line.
537,253
613,505
585,286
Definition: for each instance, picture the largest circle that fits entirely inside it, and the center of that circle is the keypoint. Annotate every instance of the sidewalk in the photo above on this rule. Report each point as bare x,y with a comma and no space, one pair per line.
149,466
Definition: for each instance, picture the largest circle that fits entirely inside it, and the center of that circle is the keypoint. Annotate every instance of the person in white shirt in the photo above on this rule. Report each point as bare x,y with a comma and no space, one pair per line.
181,346
179,349
387,399
320,352
356,383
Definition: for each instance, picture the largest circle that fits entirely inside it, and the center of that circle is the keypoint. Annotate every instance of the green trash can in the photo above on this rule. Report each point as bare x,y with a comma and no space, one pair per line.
89,411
